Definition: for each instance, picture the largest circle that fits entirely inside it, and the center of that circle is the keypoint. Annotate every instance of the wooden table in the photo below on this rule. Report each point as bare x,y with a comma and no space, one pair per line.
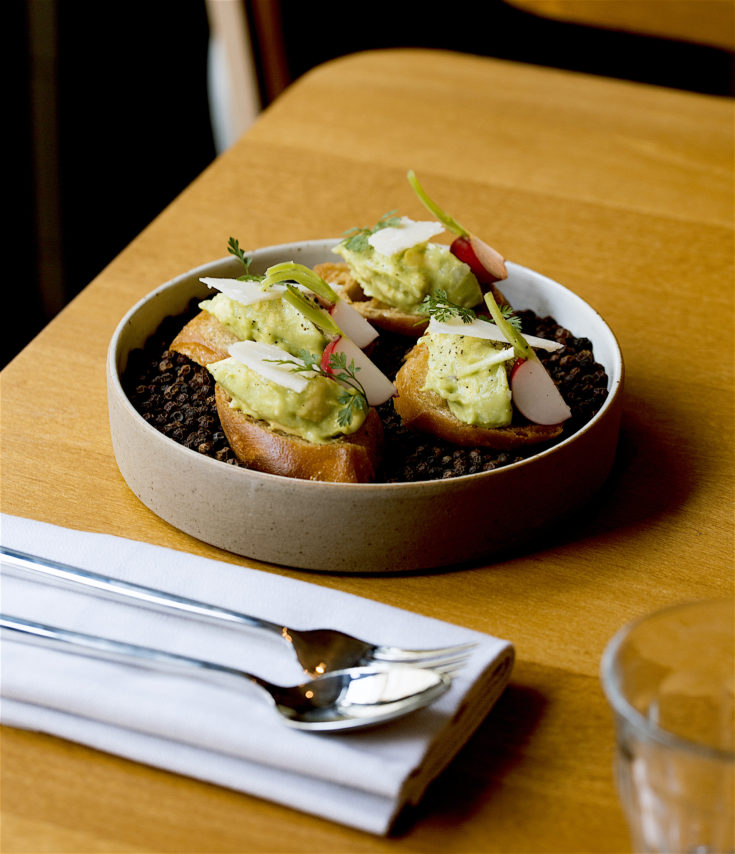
707,22
620,191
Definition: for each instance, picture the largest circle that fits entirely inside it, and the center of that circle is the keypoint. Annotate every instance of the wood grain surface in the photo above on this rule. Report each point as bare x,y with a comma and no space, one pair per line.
621,191
708,22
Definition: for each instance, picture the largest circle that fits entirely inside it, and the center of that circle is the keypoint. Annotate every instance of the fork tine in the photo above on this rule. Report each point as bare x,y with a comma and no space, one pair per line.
448,666
444,661
450,669
419,656
447,663
439,662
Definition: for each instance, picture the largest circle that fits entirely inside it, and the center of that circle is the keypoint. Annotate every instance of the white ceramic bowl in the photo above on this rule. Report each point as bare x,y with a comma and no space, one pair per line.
370,528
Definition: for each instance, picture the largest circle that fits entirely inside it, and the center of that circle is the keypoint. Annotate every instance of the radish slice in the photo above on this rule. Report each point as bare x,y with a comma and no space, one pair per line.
484,261
398,238
378,388
353,324
262,358
489,331
490,258
535,395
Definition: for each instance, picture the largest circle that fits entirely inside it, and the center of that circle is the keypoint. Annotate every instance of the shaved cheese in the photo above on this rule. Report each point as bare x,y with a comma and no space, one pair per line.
488,331
263,358
394,239
245,292
248,292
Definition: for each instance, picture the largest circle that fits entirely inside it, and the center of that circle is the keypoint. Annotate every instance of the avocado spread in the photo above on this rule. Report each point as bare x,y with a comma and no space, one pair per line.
272,321
312,414
402,280
466,373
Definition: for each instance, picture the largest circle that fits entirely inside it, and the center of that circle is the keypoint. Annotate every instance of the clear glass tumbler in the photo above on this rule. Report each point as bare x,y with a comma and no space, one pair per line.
669,678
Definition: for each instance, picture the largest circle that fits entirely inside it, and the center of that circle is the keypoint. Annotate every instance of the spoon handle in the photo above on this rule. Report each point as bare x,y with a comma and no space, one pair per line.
121,652
111,588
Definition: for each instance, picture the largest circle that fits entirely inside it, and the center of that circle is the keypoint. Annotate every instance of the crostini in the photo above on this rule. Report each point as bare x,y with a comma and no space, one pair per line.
391,267
478,383
425,410
288,393
300,424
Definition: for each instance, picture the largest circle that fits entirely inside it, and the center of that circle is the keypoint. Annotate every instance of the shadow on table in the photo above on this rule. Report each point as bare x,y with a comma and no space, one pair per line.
652,475
487,757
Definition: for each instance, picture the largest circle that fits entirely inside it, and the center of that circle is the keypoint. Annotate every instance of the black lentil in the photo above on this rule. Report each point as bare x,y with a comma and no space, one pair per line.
176,396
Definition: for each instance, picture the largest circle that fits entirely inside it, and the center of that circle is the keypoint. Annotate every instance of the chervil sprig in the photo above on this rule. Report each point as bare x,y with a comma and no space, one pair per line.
354,401
233,247
438,306
358,237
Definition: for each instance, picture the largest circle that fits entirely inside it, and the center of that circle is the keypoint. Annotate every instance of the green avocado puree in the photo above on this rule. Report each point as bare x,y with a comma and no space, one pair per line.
461,372
273,321
404,279
312,414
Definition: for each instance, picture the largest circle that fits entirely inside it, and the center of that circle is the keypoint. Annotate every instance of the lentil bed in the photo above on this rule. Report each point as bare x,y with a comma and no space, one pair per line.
176,396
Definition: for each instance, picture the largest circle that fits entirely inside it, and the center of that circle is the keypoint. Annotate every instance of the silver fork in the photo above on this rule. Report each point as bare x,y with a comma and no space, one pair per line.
317,650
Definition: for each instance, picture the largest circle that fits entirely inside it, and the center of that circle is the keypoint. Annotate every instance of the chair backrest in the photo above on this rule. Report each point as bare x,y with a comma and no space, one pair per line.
232,78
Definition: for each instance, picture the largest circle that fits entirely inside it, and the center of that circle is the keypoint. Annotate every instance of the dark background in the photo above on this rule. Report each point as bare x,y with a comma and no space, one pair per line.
109,117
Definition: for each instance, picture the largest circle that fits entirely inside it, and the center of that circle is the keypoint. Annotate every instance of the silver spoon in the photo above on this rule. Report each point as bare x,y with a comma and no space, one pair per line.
343,699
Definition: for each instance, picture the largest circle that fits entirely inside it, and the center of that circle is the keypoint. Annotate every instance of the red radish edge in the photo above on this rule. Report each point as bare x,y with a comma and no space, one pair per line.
485,262
327,355
462,249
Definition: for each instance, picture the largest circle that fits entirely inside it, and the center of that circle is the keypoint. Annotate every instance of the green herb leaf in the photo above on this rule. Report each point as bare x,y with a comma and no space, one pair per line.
233,247
354,401
358,239
510,316
438,306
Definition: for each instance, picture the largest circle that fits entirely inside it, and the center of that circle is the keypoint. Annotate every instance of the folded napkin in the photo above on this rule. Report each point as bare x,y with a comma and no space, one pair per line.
230,735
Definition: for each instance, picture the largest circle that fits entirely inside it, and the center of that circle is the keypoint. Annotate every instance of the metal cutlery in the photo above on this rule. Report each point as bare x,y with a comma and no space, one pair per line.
319,651
351,698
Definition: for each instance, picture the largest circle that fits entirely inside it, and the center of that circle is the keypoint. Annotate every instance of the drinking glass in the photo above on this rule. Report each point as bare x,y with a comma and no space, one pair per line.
669,679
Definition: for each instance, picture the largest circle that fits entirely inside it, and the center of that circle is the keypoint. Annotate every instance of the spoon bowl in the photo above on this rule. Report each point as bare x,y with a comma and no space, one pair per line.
358,696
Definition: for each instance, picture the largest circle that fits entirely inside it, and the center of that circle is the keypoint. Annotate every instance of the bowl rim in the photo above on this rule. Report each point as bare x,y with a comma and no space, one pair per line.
444,485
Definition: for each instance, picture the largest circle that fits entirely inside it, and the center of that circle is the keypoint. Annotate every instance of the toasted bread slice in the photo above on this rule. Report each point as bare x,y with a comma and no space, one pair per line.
352,459
204,339
349,459
378,313
427,412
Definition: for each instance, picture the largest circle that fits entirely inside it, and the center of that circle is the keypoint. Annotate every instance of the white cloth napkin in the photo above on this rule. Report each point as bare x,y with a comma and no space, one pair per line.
230,736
